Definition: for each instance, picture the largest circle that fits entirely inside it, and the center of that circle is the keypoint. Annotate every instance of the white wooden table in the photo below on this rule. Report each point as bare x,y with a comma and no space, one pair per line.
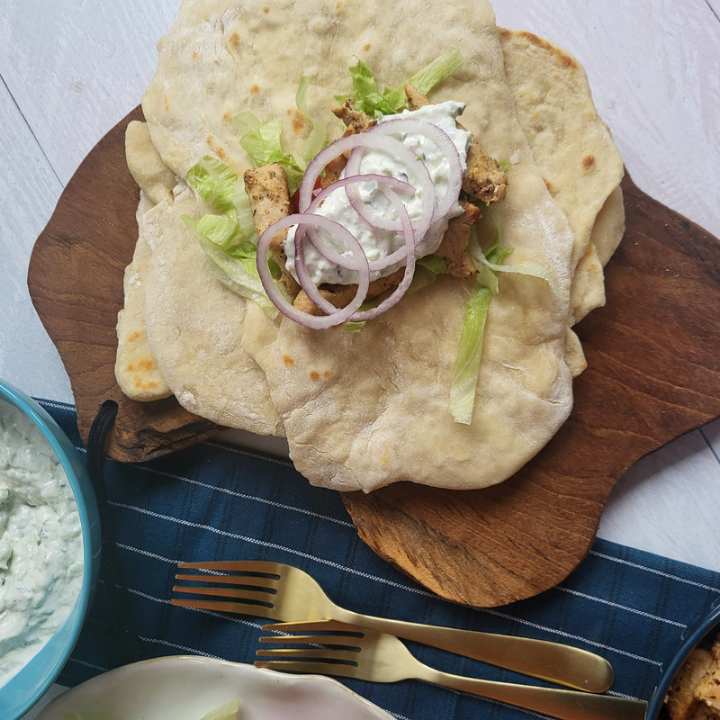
71,69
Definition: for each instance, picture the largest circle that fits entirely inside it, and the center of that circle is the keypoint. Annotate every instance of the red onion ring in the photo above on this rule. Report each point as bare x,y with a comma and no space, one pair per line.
415,167
314,293
402,288
339,315
328,252
309,199
316,296
389,144
443,141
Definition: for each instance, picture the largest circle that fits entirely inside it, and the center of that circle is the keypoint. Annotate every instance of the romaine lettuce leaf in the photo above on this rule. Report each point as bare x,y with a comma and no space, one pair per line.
368,98
466,370
232,253
263,144
441,68
316,139
215,183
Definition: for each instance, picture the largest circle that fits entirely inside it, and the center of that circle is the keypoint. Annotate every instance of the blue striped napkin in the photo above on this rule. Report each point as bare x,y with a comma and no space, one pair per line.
214,502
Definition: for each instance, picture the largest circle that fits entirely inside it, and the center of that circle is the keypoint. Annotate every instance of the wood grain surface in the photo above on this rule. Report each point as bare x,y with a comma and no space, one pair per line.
75,278
653,375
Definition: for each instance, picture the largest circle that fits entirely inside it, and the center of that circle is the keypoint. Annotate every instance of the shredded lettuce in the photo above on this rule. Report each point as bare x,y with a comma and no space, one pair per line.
466,369
316,139
218,186
489,262
433,264
441,68
368,98
426,271
215,183
225,234
356,327
229,711
243,213
526,268
232,254
485,260
262,143
228,238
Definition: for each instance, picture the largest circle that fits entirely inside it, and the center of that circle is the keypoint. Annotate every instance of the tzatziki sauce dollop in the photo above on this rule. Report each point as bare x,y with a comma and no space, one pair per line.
41,546
378,243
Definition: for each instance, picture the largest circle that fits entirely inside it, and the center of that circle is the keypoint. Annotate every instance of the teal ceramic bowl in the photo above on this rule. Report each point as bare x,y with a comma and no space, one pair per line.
31,683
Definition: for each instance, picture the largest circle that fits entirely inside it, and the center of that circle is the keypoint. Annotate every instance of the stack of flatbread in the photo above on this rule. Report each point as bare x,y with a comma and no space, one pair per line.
363,410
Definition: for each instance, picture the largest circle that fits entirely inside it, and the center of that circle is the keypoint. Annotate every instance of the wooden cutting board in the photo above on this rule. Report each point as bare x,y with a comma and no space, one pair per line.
653,374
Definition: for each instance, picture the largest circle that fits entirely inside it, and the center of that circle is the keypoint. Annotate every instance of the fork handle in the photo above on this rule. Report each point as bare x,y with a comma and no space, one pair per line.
555,702
554,662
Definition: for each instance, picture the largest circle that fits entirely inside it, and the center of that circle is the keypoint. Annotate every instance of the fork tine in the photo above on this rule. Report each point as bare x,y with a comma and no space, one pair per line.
338,644
251,566
261,583
261,611
325,654
330,641
294,666
325,626
252,596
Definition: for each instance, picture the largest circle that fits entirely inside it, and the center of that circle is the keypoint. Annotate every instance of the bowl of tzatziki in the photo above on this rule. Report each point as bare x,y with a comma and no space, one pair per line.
49,550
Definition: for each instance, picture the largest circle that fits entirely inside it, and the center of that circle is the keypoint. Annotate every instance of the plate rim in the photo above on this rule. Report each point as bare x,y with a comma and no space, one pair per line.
60,706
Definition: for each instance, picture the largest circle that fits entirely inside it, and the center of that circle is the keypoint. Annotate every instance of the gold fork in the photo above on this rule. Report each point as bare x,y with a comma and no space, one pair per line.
282,592
355,652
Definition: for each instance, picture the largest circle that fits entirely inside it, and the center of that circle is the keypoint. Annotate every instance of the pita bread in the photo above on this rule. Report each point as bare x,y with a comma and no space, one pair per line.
136,369
153,176
165,334
194,326
609,226
571,145
358,409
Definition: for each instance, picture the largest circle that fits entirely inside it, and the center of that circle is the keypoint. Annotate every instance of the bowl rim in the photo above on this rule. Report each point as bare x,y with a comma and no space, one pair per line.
691,638
43,421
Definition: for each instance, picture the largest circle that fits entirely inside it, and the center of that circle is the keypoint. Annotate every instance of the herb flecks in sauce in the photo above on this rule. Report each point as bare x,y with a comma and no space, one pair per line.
41,548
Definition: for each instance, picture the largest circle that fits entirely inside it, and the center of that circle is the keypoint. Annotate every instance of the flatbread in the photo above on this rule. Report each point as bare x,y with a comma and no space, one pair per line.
136,368
609,226
360,411
571,145
154,178
194,326
158,338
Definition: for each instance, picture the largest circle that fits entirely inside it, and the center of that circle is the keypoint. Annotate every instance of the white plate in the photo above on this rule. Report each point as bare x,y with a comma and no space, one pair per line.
186,687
